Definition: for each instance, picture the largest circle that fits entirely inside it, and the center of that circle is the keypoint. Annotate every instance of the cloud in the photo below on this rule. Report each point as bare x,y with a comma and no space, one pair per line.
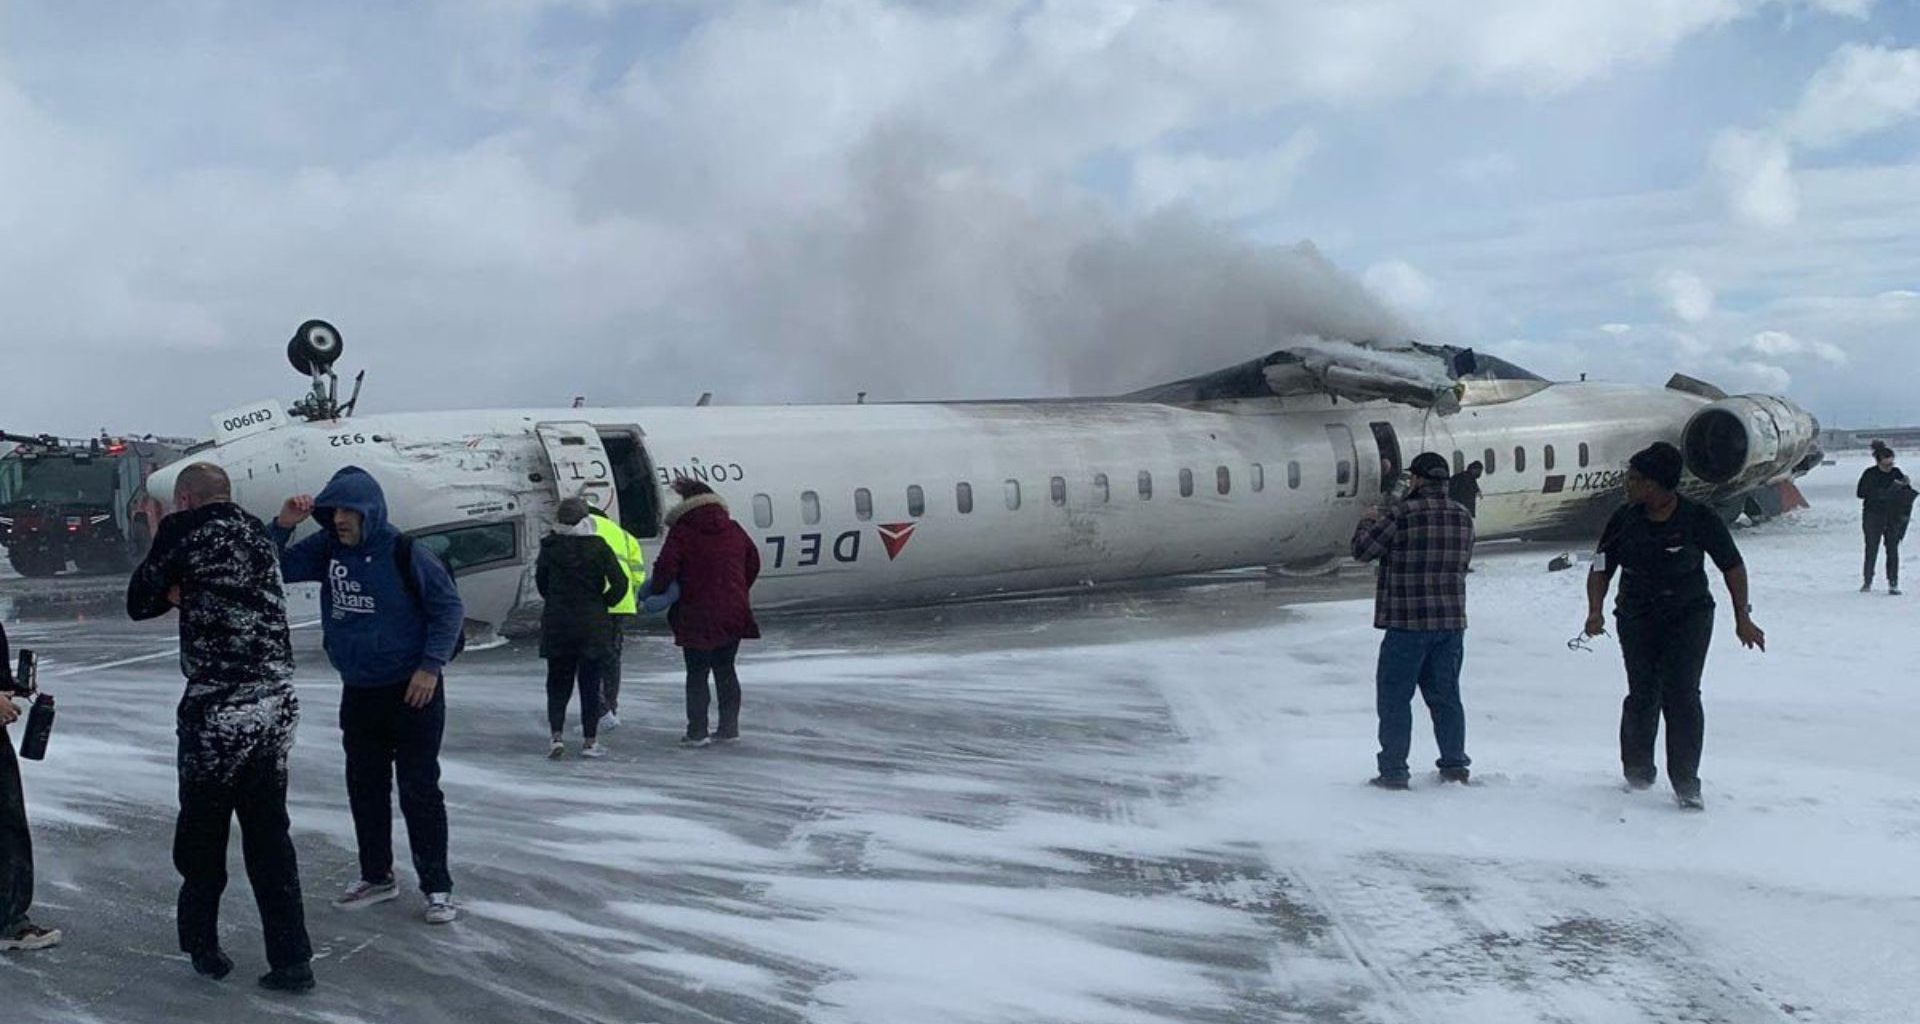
1686,295
1755,173
1860,90
1780,343
1224,188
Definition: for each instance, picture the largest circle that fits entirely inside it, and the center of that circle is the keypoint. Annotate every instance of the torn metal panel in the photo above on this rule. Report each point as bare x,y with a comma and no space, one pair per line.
1422,376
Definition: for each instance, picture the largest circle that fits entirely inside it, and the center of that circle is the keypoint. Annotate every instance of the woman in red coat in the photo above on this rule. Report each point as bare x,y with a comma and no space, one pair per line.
715,563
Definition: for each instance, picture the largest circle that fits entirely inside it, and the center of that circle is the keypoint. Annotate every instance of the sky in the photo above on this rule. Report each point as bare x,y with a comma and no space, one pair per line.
516,202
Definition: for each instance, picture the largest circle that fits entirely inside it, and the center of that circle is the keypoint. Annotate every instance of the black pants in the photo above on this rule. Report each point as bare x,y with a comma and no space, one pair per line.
16,846
383,738
1890,532
257,795
610,671
564,668
1665,654
719,664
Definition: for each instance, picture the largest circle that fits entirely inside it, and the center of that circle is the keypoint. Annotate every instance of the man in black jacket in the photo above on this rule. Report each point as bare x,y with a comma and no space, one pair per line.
216,564
1886,506
17,932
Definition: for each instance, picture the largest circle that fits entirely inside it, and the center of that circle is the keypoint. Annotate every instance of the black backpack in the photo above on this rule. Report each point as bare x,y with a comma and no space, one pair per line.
403,561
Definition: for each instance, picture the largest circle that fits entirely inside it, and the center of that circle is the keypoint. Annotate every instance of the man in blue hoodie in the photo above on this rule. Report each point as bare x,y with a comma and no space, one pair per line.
390,637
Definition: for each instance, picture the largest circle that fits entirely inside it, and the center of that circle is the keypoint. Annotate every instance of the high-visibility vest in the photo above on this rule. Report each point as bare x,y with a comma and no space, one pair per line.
626,551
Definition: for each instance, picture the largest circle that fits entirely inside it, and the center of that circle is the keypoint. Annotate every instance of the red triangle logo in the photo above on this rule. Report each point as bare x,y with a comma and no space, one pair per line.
895,536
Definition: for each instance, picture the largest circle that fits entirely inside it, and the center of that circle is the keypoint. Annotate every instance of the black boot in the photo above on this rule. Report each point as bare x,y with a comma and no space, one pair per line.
213,963
296,979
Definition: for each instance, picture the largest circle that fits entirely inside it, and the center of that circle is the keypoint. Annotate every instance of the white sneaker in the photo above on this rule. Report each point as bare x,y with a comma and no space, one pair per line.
365,894
440,908
593,750
30,937
557,751
610,720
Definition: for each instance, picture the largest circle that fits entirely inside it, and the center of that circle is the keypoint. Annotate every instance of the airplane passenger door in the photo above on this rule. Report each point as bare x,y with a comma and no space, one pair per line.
581,468
1389,444
1346,461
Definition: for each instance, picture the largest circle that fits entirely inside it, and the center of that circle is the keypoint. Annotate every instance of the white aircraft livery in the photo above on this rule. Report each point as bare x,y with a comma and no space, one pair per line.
1269,463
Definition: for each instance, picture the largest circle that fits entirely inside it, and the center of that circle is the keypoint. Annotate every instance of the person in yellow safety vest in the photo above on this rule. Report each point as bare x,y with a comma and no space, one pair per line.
626,551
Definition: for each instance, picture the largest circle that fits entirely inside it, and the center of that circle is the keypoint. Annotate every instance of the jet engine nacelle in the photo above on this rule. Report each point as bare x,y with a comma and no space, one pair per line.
1748,440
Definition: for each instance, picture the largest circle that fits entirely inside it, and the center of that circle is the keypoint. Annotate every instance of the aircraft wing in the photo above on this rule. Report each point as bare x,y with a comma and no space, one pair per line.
1422,376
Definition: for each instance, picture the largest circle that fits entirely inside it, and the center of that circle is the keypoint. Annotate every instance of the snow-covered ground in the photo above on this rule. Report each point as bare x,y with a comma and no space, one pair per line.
1128,809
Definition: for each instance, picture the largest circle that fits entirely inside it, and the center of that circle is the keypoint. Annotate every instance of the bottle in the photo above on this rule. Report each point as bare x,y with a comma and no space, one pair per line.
33,742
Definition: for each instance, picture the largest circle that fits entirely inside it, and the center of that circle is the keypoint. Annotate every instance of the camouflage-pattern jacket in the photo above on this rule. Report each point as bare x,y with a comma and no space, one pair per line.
239,705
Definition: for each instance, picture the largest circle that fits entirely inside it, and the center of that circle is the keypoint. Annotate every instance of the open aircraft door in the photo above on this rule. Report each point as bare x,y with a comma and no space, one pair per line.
581,468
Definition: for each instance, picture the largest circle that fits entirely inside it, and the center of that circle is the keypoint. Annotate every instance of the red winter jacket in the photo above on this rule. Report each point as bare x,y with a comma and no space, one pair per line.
715,563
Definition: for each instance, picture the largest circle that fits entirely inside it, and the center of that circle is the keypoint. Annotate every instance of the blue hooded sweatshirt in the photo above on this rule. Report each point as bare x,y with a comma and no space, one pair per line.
376,634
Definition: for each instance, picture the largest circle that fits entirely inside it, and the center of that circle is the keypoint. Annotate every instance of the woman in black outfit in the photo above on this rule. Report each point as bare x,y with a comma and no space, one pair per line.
580,579
1886,506
17,932
1659,543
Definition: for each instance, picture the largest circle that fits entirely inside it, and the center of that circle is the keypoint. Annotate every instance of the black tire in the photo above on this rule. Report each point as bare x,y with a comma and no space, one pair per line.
35,565
315,347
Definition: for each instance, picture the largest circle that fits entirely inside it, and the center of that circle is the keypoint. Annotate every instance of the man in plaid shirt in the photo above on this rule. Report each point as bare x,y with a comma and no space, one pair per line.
1424,545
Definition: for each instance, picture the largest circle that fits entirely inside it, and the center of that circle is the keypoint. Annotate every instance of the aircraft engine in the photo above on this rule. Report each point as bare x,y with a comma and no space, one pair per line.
1747,440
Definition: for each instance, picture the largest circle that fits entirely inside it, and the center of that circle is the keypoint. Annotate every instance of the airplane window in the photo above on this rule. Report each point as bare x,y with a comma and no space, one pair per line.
1293,476
1519,459
1013,495
1546,457
1222,480
1491,464
863,504
1459,461
963,498
1186,483
762,511
1259,477
1343,473
466,548
1583,455
1059,487
1100,489
1146,486
809,507
916,501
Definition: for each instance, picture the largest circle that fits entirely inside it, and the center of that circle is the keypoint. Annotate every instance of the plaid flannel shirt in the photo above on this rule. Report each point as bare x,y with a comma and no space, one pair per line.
1424,545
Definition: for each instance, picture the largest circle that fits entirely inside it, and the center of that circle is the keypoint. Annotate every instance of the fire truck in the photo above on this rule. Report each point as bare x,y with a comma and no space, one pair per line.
82,502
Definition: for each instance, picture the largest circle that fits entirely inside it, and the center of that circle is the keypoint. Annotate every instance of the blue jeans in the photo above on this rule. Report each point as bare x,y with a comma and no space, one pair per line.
1428,660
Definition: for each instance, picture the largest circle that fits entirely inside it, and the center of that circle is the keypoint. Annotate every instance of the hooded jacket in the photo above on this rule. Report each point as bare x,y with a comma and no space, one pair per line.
715,563
582,582
376,634
239,705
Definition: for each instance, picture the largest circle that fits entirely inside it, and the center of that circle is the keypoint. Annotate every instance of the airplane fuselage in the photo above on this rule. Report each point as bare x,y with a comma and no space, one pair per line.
916,503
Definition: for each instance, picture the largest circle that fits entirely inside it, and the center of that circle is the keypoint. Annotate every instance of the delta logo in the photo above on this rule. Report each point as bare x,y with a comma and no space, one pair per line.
894,536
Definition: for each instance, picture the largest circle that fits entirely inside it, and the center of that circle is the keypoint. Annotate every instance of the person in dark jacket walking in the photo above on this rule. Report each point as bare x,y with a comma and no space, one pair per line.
1886,507
235,724
1465,488
1659,543
1424,545
714,563
17,931
581,581
389,629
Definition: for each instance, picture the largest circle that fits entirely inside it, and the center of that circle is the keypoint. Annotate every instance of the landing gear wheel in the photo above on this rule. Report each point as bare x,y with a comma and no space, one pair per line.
315,347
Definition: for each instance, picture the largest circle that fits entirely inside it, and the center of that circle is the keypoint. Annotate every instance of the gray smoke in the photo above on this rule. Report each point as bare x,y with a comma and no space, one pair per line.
932,280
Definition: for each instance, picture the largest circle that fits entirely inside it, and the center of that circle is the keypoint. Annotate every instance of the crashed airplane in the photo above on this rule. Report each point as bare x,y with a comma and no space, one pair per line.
1268,463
